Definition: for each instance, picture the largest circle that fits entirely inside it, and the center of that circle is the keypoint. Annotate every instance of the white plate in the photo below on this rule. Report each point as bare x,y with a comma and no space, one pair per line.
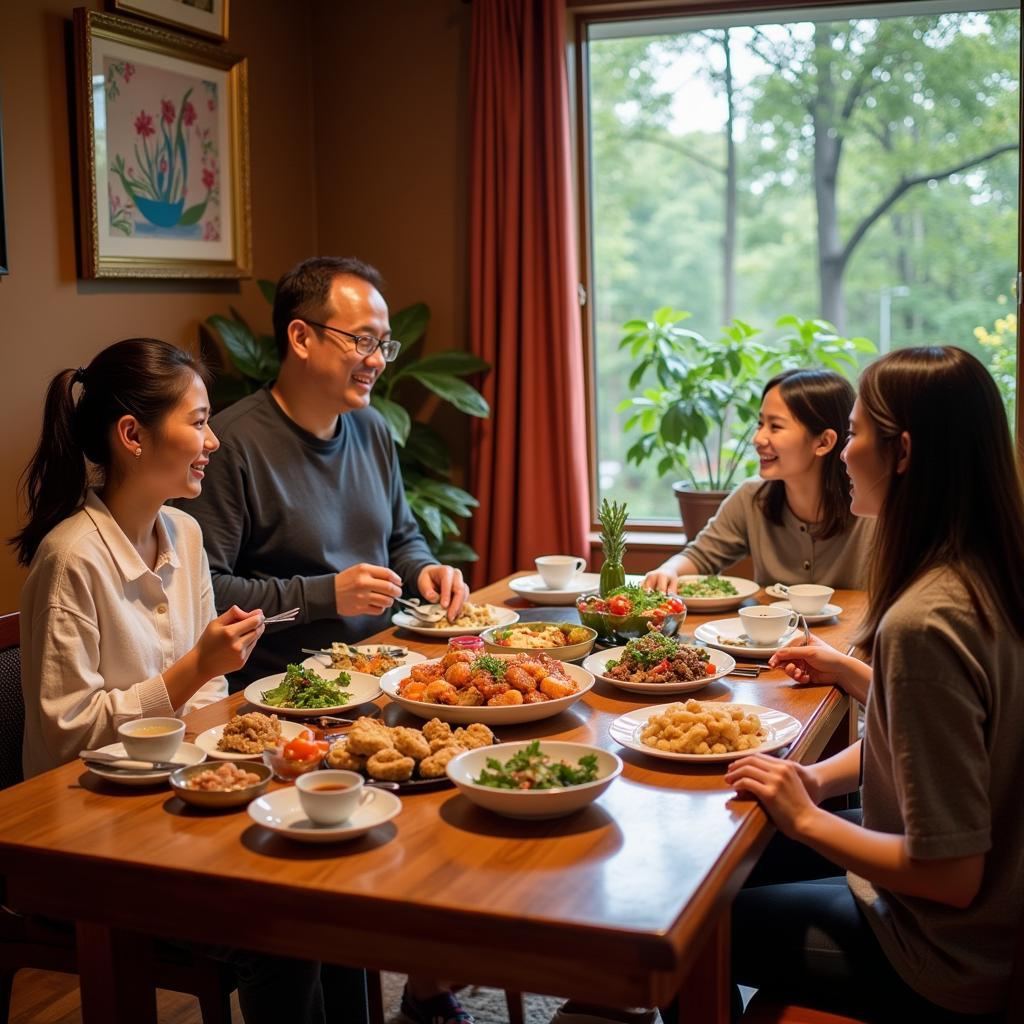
322,661
511,715
281,812
186,754
502,617
362,686
773,591
724,664
208,741
782,730
829,612
744,589
533,803
709,632
535,590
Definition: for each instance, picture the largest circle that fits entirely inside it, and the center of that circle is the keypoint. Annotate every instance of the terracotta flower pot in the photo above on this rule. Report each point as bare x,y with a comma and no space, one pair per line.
696,507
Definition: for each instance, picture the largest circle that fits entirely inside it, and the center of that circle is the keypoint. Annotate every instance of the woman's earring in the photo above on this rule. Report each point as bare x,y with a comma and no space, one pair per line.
138,452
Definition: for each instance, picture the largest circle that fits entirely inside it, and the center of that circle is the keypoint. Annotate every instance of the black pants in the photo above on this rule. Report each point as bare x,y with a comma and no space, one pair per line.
272,989
798,934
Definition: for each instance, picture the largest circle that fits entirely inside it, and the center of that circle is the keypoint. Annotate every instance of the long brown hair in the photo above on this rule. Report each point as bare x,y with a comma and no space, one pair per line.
140,377
819,400
960,502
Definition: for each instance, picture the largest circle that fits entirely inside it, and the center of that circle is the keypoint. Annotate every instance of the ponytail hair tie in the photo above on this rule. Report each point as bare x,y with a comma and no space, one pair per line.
80,375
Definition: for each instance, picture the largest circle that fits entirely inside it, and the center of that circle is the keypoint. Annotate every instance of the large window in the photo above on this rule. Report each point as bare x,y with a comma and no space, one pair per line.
858,165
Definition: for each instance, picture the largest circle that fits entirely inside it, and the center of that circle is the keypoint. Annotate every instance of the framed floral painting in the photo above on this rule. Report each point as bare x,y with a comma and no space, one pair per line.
163,152
3,208
207,17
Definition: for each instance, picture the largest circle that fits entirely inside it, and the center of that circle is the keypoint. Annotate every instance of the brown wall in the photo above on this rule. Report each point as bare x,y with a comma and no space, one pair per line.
390,80
358,137
48,318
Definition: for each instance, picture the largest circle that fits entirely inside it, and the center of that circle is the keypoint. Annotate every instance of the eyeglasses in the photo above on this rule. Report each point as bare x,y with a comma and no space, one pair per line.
366,344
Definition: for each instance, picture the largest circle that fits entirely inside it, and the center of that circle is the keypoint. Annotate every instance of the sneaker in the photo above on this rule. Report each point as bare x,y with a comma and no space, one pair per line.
573,1012
443,1008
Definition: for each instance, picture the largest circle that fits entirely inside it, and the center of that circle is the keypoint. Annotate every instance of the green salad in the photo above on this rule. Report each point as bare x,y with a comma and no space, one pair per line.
709,586
303,689
531,768
648,650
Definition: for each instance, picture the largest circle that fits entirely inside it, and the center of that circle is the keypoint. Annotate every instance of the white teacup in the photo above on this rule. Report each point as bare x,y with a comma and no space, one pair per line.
764,624
152,739
806,598
332,796
558,571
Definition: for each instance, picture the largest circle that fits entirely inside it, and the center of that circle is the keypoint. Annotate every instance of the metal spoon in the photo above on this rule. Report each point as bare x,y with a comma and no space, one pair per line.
430,615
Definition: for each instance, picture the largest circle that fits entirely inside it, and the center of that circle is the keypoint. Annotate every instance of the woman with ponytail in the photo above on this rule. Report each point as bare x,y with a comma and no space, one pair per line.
117,616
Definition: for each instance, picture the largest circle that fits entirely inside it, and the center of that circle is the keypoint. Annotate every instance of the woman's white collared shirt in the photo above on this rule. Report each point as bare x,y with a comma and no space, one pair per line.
99,627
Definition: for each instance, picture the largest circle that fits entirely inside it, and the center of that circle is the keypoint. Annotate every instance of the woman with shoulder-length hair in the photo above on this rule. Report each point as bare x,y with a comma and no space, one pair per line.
117,616
922,925
795,521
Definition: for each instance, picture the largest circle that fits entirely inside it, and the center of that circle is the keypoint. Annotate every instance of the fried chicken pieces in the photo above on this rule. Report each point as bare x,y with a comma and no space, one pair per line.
459,679
395,754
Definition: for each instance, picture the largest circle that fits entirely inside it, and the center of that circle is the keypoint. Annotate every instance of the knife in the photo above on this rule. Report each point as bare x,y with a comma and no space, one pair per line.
104,760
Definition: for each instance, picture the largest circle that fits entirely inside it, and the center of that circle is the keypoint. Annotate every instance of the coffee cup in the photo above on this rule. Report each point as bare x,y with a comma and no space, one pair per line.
764,624
152,739
558,571
806,598
331,796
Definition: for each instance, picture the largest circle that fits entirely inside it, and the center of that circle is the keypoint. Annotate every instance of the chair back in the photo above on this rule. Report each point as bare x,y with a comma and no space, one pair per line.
12,704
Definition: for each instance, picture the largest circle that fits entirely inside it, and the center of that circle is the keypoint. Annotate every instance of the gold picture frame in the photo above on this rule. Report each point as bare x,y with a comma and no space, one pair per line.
163,148
191,17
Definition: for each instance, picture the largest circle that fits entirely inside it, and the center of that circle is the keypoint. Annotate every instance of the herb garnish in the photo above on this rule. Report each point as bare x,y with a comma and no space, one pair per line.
489,663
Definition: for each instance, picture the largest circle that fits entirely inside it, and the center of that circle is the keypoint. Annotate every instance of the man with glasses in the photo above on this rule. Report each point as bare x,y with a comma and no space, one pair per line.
303,506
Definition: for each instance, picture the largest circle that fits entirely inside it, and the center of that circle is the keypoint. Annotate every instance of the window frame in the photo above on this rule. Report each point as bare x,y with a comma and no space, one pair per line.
584,13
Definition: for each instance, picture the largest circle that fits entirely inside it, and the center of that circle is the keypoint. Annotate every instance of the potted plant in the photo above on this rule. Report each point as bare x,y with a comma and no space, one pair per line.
698,415
424,456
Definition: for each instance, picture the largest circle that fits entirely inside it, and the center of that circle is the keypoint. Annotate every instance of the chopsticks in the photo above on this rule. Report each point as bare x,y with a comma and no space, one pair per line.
288,616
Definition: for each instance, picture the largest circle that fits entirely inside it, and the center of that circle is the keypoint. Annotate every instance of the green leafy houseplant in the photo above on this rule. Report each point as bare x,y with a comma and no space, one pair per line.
698,415
424,456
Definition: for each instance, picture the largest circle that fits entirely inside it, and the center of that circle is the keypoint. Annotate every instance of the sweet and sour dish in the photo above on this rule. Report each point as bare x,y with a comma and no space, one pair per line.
459,678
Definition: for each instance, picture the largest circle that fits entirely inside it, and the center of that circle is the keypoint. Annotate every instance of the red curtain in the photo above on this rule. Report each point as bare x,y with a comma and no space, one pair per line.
530,458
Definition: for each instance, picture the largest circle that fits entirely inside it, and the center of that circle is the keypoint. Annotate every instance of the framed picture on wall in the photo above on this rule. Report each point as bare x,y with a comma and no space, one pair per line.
3,206
207,17
163,145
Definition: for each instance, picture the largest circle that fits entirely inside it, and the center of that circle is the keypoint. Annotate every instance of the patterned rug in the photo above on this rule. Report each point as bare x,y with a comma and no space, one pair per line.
486,1004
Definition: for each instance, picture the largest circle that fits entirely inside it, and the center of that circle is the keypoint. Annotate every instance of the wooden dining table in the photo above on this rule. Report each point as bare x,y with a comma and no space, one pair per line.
624,903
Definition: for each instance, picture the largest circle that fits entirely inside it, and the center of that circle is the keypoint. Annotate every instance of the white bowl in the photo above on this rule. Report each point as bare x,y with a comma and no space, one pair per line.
533,803
511,715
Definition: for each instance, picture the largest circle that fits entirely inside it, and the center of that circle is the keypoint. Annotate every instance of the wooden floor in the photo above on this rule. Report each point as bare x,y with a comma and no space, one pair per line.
44,998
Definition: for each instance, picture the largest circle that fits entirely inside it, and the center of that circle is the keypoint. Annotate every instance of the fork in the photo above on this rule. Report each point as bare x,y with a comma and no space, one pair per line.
802,622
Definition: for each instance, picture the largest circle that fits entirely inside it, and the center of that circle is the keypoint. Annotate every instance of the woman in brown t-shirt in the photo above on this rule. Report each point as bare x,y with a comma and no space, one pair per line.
795,521
922,926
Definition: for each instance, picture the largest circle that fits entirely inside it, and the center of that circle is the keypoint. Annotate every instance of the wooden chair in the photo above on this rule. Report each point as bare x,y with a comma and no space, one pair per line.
31,942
